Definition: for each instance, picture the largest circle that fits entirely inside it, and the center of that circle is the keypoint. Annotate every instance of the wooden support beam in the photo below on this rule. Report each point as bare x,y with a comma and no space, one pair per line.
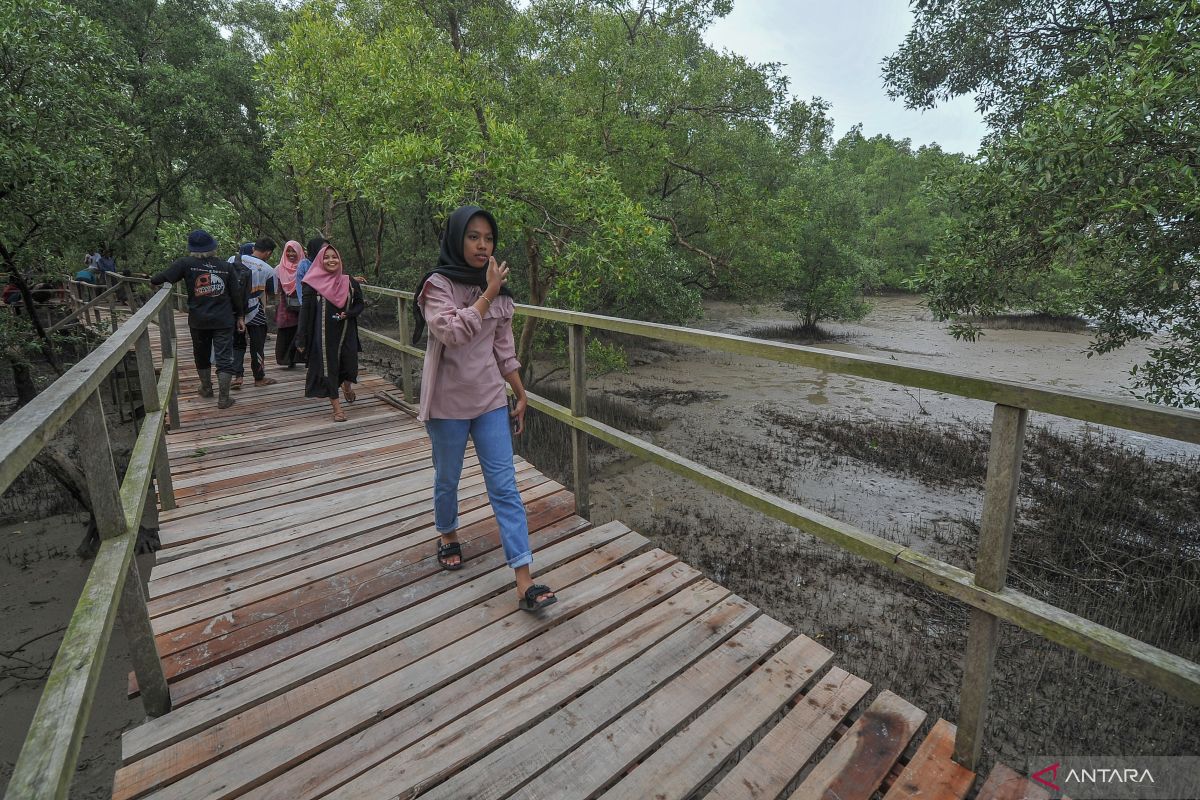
91,435
1148,664
406,364
991,572
135,619
150,401
577,349
173,397
82,309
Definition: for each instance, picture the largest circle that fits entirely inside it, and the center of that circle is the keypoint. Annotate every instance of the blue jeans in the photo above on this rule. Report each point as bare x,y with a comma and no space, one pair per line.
493,444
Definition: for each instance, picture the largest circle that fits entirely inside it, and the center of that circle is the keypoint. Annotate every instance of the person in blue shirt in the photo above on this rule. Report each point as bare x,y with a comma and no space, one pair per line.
254,257
87,275
314,246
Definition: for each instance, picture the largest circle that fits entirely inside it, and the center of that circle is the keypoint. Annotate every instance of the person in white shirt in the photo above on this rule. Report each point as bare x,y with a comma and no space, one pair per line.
262,279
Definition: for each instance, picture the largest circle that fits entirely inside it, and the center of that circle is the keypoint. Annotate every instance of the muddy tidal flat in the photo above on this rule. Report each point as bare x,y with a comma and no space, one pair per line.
908,465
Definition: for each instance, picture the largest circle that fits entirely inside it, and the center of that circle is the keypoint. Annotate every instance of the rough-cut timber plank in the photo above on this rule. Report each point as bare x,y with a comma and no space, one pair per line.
291,554
531,672
783,753
221,621
933,774
272,755
400,510
438,755
275,542
613,747
467,590
259,640
1005,783
247,663
861,759
219,741
691,758
237,592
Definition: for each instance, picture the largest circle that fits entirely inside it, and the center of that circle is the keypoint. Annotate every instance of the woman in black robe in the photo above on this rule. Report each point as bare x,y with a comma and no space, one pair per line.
328,329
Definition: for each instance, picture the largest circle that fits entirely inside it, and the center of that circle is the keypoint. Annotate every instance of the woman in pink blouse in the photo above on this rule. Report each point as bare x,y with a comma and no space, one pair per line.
470,356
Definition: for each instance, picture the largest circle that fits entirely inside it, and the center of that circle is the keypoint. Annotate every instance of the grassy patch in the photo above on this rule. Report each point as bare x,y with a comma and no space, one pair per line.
1104,531
796,334
1054,323
547,442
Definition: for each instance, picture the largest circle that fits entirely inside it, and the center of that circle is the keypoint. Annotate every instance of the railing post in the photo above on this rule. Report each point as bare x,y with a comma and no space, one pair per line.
91,434
406,379
112,311
150,401
577,350
131,298
991,572
135,619
166,339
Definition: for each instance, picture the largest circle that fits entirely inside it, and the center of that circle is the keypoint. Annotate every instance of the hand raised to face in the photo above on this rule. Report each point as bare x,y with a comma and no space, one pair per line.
497,274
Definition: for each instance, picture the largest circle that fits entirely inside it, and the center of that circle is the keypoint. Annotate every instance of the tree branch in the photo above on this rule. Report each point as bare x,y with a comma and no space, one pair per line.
713,260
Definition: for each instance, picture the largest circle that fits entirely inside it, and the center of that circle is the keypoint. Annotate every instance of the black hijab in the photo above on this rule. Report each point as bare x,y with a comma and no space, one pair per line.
314,246
452,263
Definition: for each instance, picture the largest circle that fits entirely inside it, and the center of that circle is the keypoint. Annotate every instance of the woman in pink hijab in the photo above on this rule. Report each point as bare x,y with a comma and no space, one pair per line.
328,329
287,310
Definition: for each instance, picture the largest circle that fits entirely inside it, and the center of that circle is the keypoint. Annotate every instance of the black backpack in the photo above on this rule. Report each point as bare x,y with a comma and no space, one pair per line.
242,280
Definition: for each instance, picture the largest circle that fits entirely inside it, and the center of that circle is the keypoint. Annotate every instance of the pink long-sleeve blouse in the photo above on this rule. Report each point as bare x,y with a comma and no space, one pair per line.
467,355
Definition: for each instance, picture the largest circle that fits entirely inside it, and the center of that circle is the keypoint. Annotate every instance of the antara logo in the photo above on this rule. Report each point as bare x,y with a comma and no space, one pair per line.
1047,777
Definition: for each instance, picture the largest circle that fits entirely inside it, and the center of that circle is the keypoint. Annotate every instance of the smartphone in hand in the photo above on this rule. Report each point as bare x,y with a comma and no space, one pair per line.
512,410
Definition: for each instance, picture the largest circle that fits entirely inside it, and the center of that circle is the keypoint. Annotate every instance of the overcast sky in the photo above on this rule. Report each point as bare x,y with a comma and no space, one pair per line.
833,50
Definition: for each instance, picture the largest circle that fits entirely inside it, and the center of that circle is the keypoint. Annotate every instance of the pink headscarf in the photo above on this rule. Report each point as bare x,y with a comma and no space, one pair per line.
333,286
286,270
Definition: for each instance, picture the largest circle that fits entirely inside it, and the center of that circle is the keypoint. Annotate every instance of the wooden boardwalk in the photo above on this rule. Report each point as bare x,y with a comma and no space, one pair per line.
314,648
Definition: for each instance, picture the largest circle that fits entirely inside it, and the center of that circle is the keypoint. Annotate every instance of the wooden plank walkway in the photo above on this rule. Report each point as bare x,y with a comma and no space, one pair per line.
314,648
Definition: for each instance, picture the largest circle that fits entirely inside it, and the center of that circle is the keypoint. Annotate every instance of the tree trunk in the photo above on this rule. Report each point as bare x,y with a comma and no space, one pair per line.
379,249
23,379
358,249
327,223
297,205
46,346
536,297
456,42
63,470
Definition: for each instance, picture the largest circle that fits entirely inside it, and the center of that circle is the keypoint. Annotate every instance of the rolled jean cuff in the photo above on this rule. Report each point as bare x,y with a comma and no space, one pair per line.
522,560
449,530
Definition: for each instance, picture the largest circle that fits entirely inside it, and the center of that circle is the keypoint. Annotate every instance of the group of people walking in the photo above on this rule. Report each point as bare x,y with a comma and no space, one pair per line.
228,312
465,304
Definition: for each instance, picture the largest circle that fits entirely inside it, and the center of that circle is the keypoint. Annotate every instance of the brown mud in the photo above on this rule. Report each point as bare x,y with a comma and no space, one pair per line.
900,463
1108,518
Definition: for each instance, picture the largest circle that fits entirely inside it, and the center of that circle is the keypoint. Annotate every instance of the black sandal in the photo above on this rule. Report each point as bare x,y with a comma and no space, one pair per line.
445,551
530,601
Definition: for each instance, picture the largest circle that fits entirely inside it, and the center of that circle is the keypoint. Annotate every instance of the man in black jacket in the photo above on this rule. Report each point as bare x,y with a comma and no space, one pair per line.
214,310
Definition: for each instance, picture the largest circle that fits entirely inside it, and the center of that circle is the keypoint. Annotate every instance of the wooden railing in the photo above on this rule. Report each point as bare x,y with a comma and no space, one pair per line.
113,588
985,591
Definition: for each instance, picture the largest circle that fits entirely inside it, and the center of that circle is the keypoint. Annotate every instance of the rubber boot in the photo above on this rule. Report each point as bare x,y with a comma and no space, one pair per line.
206,383
223,381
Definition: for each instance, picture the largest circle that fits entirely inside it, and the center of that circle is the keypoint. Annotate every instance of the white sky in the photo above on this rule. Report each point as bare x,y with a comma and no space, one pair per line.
833,49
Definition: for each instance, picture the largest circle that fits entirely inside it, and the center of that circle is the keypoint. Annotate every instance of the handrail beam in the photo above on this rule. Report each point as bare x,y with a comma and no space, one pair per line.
28,430
1161,669
82,309
1132,415
48,758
